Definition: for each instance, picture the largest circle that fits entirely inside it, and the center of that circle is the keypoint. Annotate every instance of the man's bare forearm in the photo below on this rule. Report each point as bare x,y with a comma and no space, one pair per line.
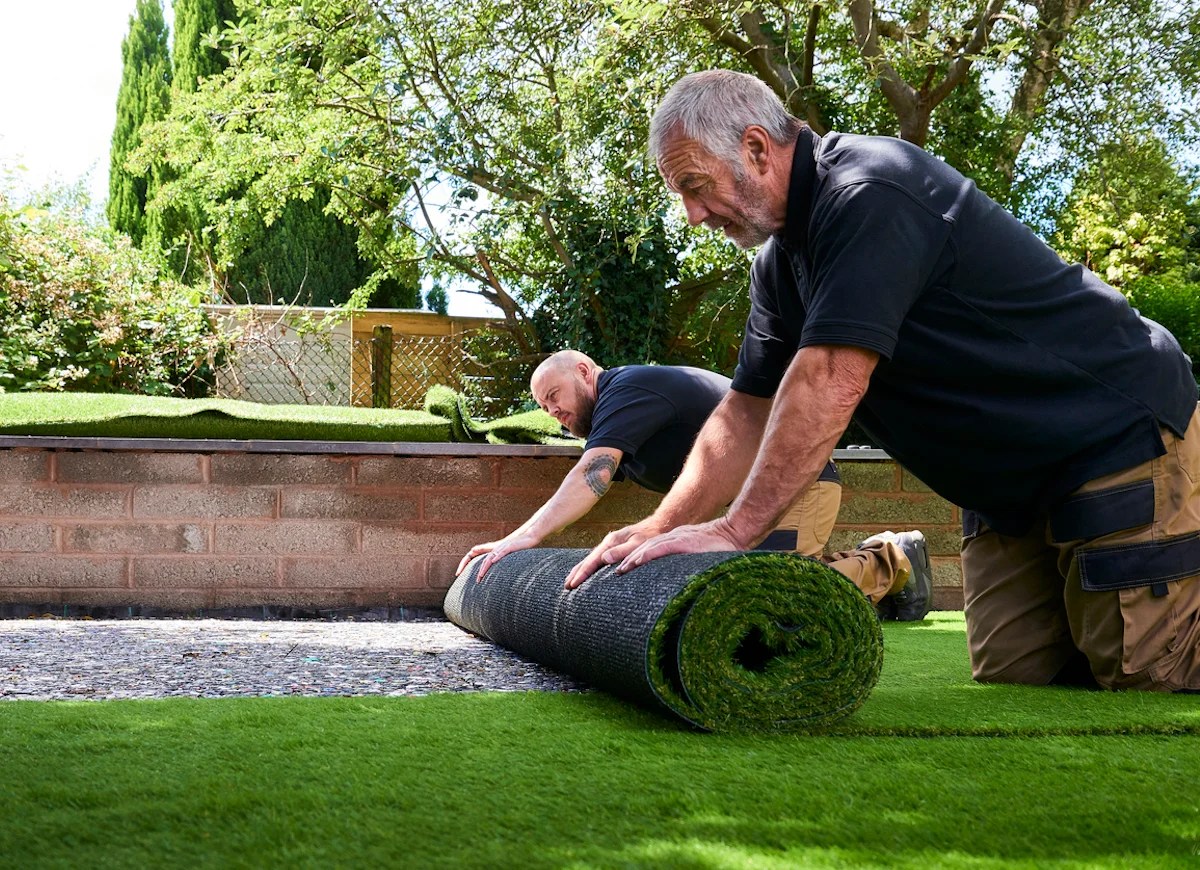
584,485
718,463
812,408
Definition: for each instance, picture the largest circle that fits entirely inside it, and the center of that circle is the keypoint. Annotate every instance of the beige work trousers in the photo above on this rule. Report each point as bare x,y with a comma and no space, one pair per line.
1112,573
879,569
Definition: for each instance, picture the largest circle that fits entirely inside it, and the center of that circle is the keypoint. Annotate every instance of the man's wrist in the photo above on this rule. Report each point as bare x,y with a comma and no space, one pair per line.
733,526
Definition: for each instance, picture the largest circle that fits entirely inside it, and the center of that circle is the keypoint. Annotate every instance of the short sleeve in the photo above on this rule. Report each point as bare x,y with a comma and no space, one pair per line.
769,342
874,249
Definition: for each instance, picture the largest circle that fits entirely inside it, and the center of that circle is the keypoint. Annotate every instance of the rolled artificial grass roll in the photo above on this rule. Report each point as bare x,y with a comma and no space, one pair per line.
726,641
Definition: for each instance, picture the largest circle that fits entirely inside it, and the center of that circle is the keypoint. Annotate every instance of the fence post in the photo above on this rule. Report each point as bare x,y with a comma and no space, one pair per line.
381,367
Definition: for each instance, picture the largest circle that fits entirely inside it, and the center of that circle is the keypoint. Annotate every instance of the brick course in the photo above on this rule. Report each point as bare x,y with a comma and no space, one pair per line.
24,466
204,530
133,467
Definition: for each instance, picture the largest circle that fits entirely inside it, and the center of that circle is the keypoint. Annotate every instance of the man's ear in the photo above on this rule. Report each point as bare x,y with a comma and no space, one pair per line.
756,148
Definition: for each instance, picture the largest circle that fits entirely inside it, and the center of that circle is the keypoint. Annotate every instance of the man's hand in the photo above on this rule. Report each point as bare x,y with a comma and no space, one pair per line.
711,537
496,550
615,547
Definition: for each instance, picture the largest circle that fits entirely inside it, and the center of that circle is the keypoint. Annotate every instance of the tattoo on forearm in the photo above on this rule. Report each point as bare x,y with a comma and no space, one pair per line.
599,474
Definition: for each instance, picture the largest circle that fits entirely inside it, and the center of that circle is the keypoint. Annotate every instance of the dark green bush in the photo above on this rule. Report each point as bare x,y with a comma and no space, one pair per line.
82,309
1174,301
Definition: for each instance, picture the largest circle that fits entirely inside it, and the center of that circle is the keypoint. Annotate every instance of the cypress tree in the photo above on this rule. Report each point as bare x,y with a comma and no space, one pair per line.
194,20
176,227
305,254
144,96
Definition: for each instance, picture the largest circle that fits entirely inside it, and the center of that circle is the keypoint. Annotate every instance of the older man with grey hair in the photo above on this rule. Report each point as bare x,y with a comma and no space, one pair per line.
890,289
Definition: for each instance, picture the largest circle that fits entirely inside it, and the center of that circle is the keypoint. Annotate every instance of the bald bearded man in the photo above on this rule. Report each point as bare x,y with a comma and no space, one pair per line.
640,422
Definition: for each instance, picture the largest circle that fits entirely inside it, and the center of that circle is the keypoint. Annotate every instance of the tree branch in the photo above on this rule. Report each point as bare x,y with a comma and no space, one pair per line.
1056,19
900,94
961,65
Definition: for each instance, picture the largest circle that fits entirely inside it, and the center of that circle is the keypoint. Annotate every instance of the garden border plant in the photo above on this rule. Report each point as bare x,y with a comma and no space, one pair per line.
85,310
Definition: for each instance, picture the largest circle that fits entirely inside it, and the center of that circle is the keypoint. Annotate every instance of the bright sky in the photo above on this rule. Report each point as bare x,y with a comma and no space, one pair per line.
60,70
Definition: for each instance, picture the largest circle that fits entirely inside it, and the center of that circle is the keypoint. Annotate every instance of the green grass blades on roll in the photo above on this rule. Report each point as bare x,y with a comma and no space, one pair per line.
764,642
725,641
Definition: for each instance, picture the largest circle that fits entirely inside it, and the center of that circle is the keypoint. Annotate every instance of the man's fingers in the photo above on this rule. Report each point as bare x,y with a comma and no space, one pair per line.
636,557
613,555
583,570
648,552
471,554
597,560
466,560
706,538
489,560
592,563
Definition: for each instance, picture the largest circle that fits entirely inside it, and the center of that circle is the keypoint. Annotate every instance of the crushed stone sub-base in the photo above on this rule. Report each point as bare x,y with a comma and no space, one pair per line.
53,659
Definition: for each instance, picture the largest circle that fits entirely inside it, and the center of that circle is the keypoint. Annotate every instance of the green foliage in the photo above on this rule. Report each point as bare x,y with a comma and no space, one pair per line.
1129,214
611,301
1174,301
1130,76
437,300
85,310
498,148
309,257
144,97
476,155
496,382
968,133
194,50
289,248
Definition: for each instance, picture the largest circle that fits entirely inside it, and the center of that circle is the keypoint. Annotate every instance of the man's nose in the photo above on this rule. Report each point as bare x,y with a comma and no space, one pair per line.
696,213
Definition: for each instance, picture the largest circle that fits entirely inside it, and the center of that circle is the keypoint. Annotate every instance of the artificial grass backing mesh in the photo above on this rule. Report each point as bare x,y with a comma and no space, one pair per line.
124,416
726,641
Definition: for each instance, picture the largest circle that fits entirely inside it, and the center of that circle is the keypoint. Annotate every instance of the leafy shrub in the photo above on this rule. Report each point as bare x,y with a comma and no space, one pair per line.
1173,301
82,309
496,377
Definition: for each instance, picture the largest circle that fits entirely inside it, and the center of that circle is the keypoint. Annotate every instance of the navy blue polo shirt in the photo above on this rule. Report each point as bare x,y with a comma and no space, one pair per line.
1007,377
653,415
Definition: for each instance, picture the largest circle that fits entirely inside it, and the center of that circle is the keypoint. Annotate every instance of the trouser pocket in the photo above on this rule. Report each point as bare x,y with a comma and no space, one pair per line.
1151,581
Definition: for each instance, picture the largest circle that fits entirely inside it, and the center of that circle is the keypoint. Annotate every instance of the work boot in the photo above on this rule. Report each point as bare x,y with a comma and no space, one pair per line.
913,602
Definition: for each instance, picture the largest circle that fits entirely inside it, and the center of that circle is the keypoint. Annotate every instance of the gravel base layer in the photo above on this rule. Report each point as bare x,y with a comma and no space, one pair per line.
51,659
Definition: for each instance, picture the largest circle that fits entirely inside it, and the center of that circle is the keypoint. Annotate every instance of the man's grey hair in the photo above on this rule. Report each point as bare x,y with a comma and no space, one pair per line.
714,108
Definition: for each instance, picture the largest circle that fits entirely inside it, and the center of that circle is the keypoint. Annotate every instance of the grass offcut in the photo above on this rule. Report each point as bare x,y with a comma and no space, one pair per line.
101,415
998,777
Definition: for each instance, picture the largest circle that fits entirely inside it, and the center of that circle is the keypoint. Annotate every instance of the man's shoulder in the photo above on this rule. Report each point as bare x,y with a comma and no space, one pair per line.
882,164
848,153
668,380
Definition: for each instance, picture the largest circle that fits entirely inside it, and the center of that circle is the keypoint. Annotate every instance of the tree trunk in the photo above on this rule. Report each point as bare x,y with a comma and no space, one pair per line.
1055,22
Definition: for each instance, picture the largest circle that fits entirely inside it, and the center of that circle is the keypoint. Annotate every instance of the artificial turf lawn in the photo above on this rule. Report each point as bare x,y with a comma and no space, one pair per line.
542,780
122,416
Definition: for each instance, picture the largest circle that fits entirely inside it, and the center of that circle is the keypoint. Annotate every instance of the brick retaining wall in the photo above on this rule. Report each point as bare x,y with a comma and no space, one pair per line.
185,529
